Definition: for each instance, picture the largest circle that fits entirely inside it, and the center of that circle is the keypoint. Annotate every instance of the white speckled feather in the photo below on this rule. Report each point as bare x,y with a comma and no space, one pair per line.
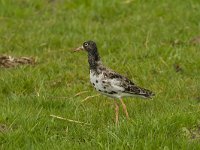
107,85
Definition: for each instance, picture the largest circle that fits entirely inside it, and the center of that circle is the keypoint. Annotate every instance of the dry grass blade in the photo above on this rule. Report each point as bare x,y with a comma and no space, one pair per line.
80,93
58,97
9,61
70,120
90,97
163,62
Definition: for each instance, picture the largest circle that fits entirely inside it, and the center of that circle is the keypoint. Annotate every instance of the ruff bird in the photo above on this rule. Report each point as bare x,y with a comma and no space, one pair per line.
109,82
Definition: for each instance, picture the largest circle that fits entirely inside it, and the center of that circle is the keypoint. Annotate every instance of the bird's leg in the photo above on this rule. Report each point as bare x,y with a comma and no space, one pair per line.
124,108
116,112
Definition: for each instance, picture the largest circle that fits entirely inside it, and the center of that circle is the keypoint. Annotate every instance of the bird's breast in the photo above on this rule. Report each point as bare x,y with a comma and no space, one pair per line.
102,85
96,80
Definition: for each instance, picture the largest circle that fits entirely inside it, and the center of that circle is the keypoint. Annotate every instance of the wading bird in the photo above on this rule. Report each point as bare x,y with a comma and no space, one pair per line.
110,83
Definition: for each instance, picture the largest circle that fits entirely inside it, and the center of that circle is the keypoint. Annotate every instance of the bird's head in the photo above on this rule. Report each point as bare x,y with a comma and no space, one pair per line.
88,46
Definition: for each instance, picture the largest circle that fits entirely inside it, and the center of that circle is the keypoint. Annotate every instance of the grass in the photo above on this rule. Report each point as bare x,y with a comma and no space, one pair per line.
136,38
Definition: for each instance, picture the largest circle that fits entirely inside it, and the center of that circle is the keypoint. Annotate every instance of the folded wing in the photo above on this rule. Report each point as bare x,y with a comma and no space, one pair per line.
122,84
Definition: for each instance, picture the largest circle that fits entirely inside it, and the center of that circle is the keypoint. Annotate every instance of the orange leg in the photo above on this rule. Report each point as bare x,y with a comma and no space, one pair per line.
116,112
124,108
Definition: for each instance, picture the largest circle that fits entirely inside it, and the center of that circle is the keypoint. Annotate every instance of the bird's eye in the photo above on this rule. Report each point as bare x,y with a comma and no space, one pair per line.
86,44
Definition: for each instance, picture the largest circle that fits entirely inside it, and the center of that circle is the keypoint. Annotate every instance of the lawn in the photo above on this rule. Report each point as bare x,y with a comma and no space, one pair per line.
147,41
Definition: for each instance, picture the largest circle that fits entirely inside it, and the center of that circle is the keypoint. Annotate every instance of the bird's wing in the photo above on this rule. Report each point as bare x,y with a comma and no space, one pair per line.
124,85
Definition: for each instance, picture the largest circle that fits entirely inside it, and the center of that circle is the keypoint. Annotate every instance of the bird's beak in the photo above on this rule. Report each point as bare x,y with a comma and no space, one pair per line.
79,48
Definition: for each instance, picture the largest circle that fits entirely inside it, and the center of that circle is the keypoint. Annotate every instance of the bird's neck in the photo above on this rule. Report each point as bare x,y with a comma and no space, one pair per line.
94,59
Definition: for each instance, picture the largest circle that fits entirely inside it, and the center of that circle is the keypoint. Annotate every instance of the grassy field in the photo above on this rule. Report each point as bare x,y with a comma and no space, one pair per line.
147,41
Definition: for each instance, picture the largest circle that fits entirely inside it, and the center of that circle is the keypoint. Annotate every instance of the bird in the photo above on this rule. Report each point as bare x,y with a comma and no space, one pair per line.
109,82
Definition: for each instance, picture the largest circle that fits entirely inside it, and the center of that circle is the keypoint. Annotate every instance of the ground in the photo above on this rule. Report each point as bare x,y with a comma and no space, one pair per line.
147,41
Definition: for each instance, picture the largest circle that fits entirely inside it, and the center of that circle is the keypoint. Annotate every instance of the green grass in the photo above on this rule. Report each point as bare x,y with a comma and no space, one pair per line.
135,39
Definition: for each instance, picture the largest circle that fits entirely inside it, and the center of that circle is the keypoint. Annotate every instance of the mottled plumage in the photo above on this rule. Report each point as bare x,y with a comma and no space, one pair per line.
108,82
113,84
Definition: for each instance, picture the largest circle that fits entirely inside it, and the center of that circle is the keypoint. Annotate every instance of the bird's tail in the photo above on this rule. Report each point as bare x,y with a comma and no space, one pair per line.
138,91
146,93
